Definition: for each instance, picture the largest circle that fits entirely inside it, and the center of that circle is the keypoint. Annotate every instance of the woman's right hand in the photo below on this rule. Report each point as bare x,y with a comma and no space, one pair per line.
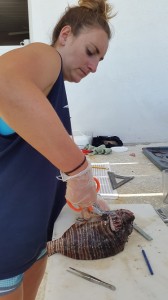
81,188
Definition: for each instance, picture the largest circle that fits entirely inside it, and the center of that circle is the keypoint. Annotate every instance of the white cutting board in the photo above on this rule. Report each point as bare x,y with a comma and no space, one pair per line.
127,270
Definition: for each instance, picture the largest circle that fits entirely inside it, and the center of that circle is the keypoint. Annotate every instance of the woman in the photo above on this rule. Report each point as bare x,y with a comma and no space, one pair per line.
35,142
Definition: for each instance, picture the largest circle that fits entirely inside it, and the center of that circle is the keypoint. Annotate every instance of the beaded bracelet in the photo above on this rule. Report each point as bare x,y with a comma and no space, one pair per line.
67,173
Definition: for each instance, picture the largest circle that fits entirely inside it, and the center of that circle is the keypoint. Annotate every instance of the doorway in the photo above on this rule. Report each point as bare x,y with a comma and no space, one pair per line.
14,22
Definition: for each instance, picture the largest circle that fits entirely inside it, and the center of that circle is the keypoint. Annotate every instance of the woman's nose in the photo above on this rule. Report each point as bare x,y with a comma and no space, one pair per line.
93,65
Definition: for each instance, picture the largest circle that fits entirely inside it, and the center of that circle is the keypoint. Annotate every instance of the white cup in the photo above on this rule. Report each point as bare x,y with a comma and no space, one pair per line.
165,185
82,138
89,135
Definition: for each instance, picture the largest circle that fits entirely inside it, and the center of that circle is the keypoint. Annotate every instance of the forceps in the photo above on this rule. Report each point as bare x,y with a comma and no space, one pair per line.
91,278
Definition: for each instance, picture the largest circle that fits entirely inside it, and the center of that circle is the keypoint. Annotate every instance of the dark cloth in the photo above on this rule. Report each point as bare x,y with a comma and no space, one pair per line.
31,197
108,141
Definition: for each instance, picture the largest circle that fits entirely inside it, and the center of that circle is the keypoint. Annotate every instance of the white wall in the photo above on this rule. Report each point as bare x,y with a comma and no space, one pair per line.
128,96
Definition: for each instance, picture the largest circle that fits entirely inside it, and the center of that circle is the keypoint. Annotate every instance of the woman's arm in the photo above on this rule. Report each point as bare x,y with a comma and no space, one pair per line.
26,76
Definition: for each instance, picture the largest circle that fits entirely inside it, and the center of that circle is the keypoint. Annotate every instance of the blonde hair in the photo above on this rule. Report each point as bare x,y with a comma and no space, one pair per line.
88,13
101,7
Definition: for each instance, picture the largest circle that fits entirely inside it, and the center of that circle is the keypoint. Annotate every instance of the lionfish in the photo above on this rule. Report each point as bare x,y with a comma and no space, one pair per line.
88,240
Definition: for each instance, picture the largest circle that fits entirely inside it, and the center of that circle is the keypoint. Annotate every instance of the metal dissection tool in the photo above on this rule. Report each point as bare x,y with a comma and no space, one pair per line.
163,213
114,183
142,232
91,278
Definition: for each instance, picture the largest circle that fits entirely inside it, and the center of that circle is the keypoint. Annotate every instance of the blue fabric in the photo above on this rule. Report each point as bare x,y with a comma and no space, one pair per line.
10,284
4,128
31,196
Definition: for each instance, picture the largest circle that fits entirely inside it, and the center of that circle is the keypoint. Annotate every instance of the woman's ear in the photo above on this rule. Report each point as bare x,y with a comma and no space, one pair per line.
64,34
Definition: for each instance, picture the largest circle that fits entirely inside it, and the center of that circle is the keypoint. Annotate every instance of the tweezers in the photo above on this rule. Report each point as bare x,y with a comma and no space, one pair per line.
91,278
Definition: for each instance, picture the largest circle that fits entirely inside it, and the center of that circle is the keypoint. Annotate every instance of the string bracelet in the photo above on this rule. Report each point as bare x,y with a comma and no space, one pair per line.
82,163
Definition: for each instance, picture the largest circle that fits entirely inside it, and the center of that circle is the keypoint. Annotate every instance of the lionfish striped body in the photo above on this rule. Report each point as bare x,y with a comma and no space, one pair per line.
95,239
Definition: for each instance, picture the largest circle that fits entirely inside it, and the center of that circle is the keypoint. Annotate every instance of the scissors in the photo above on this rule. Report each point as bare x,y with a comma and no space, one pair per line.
90,208
85,151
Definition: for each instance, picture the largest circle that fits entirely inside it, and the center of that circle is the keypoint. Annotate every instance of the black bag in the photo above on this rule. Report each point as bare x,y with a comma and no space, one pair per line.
108,141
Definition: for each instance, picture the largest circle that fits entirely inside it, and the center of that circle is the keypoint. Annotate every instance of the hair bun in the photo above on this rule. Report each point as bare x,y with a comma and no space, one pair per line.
101,7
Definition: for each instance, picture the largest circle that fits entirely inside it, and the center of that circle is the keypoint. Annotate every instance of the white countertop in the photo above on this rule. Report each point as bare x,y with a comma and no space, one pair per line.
127,270
145,188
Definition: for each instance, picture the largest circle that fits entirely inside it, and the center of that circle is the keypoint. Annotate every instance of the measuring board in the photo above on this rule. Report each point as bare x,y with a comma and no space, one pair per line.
100,171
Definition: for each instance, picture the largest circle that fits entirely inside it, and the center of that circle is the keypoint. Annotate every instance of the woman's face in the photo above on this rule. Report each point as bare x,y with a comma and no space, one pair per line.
81,54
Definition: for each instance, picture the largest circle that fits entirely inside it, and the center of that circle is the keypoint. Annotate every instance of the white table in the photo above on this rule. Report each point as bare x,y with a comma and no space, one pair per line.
127,270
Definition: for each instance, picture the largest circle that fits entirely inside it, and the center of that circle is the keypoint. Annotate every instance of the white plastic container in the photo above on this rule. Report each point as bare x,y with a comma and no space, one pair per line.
82,138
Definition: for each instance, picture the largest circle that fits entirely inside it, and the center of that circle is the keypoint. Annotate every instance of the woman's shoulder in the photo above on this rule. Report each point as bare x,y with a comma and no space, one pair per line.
44,55
39,46
46,59
38,62
37,53
42,50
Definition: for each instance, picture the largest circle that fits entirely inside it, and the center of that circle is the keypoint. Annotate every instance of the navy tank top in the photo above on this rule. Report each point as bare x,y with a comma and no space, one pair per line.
31,197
